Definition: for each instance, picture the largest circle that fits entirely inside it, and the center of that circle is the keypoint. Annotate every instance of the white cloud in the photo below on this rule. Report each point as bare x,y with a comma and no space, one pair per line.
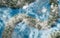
24,7
44,10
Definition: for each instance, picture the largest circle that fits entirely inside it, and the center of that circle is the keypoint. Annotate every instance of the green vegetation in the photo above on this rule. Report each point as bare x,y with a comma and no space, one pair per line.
54,2
7,32
14,3
53,14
